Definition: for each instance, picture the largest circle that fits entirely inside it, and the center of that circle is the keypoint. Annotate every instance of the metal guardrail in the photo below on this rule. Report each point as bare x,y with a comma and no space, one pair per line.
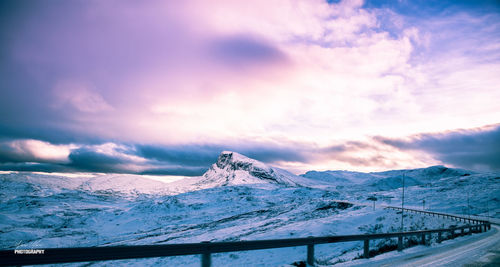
440,214
205,249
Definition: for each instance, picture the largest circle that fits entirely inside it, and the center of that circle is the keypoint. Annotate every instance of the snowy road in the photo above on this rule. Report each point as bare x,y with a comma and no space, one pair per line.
476,250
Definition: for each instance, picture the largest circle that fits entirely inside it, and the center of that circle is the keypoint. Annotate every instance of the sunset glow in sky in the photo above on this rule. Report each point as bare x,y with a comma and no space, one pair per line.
162,87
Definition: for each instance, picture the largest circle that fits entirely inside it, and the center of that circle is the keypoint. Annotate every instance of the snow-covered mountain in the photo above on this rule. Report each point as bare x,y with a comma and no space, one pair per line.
233,168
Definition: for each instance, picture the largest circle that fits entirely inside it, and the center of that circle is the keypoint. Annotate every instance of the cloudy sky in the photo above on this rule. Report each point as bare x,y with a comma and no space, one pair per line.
162,87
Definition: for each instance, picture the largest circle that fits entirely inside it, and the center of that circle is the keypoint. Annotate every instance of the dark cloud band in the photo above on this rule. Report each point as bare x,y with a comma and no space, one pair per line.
184,160
471,149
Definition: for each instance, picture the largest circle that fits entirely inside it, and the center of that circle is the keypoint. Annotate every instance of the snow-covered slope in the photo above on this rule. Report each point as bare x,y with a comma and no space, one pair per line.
438,188
238,198
69,218
104,183
340,177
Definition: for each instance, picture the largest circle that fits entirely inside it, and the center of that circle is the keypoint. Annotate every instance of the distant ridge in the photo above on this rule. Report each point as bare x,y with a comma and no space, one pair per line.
387,180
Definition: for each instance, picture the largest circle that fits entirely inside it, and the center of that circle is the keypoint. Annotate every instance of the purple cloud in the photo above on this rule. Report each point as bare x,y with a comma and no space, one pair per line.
243,50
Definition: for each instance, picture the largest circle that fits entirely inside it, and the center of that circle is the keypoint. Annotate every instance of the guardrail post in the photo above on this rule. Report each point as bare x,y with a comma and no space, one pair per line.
310,254
366,251
462,231
452,233
206,258
423,239
400,243
440,237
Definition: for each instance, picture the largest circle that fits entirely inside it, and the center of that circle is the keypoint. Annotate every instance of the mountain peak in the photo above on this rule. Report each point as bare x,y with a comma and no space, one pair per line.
235,161
233,168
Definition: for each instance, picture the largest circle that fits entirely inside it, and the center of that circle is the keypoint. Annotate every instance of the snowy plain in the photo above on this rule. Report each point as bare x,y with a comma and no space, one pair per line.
236,199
